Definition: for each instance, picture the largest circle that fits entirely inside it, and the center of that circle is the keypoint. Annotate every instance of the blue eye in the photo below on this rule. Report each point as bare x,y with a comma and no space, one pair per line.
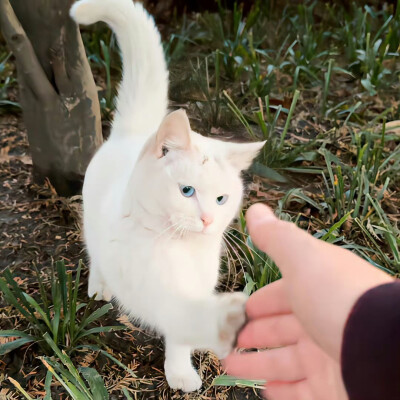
187,191
222,199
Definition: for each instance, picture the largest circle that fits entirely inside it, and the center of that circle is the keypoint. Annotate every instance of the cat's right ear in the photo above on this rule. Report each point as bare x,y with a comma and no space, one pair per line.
173,133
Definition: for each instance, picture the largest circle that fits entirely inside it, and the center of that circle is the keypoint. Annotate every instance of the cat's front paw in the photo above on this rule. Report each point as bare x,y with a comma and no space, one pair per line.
187,381
101,291
232,316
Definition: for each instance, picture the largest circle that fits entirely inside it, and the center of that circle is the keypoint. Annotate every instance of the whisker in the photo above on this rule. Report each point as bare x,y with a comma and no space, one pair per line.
176,230
167,229
183,231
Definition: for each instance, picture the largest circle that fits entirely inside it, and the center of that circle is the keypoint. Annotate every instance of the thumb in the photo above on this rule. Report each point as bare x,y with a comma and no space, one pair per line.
322,281
283,241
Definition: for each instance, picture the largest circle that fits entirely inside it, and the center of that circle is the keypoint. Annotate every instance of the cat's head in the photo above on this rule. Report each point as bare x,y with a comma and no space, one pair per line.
186,182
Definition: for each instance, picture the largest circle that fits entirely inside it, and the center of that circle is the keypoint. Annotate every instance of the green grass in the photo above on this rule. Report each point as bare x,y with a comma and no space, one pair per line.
257,268
7,81
81,383
61,326
103,54
56,313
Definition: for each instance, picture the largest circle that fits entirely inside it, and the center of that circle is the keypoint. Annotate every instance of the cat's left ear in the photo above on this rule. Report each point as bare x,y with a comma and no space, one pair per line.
241,155
173,133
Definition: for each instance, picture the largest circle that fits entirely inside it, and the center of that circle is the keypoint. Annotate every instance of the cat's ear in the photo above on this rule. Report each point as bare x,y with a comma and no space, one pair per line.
173,133
241,155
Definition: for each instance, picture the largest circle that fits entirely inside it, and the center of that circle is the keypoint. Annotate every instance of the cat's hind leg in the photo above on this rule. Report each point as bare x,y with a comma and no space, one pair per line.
179,370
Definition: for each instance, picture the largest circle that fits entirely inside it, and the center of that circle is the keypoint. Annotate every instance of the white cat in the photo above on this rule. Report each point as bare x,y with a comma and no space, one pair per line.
157,199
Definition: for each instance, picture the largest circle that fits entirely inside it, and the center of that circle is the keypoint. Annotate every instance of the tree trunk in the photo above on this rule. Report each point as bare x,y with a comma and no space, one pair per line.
57,92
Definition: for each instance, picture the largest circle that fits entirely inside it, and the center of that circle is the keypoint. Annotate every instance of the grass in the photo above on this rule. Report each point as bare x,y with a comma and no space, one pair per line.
56,313
60,325
102,50
7,81
320,83
81,383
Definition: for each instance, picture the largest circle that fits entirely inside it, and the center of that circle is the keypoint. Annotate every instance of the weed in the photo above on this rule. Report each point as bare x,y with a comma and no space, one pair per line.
72,379
208,85
57,313
275,153
366,52
174,47
7,80
101,47
348,187
258,269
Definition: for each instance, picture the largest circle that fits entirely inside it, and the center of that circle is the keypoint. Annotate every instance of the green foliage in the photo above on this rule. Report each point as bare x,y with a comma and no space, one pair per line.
258,269
276,152
226,380
369,38
72,379
354,193
304,54
208,84
56,313
234,37
348,186
7,80
102,50
175,45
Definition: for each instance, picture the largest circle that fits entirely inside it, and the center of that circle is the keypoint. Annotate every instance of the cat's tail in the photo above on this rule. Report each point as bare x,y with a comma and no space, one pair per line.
143,93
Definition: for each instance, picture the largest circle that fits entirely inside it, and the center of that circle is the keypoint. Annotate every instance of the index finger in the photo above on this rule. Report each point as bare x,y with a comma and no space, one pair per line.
270,300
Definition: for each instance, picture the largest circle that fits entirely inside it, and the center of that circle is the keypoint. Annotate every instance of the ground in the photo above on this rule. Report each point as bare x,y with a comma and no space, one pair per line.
334,173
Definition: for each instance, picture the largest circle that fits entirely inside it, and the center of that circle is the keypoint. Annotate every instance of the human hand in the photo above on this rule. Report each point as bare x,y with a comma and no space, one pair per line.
305,312
294,367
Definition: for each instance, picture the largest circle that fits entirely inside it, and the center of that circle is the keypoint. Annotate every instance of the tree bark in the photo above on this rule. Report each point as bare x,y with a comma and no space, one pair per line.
57,92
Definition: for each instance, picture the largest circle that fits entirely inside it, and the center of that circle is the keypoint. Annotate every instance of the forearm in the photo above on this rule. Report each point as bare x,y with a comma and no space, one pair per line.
371,347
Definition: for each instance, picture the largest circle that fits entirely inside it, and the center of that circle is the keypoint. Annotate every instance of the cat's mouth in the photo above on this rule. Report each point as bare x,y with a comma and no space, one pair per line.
206,230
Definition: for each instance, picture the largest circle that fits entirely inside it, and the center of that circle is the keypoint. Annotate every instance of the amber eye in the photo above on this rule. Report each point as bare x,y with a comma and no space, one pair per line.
222,199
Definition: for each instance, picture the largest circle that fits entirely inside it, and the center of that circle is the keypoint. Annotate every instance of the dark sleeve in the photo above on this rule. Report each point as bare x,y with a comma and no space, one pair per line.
371,345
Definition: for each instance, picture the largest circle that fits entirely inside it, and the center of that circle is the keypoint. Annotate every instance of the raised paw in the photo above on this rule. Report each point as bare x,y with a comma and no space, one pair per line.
107,295
187,381
98,292
232,316
98,289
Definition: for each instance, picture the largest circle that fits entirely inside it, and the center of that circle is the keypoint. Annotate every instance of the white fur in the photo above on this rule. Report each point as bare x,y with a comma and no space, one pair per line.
144,86
147,243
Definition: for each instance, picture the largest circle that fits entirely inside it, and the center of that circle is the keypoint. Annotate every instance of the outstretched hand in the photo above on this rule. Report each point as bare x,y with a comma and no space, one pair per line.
294,367
301,318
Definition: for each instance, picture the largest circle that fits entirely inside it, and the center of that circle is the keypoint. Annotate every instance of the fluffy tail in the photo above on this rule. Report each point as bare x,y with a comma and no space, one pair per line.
143,93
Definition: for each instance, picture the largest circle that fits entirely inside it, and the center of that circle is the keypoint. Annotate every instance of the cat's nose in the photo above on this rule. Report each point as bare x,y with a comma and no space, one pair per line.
207,219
